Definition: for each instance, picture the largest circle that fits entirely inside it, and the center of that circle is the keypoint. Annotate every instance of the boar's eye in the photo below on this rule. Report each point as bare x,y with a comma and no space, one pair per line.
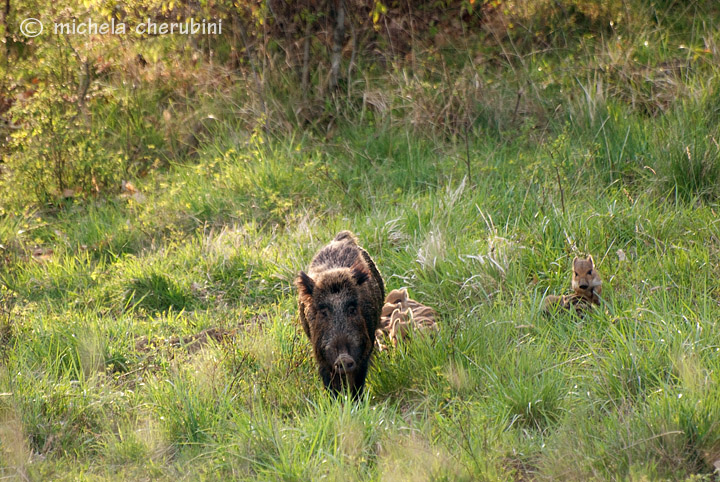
576,274
351,308
590,272
324,310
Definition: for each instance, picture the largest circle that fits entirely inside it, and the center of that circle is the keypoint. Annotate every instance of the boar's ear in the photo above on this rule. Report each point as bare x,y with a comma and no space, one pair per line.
305,285
575,262
360,273
590,258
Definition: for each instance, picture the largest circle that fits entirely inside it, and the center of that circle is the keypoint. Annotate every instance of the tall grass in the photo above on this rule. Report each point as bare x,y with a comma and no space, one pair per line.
471,183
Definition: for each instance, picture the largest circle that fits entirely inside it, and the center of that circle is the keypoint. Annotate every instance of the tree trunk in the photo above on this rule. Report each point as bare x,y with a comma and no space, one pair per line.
6,14
337,45
305,74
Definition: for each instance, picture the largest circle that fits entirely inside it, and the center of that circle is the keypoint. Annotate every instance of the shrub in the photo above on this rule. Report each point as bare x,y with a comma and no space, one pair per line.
55,153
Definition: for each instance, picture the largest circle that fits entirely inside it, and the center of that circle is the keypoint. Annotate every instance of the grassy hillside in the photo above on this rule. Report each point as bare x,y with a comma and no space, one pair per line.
149,332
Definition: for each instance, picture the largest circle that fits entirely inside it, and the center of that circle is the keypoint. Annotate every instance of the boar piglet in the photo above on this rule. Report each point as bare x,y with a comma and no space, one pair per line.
340,300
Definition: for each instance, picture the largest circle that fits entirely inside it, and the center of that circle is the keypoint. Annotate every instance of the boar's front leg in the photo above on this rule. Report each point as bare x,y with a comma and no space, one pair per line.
331,380
336,383
359,382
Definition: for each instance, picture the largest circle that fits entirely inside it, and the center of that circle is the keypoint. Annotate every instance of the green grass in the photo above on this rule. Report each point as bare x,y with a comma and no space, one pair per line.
502,392
100,296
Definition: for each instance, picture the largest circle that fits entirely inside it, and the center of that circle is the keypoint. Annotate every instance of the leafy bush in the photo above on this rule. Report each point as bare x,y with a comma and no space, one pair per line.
55,153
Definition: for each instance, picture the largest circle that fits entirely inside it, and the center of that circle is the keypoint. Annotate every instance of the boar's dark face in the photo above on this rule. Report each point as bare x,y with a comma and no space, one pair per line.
338,328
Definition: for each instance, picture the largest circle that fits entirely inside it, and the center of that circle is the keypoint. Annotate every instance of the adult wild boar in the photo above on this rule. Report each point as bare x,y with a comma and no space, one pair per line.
340,300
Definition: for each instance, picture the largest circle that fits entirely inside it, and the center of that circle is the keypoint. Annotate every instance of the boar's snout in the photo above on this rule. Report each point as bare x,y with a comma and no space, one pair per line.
344,363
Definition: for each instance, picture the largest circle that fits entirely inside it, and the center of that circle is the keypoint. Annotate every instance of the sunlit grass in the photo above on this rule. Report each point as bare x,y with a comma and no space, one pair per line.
101,299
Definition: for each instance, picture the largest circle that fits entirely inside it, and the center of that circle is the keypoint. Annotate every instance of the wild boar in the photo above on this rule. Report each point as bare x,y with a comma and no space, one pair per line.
340,300
586,285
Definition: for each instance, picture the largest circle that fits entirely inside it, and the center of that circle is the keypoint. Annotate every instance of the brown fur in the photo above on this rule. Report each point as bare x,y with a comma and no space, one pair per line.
402,315
340,299
586,284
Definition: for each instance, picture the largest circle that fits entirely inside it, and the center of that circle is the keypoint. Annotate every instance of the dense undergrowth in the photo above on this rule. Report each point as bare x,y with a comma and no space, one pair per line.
472,170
